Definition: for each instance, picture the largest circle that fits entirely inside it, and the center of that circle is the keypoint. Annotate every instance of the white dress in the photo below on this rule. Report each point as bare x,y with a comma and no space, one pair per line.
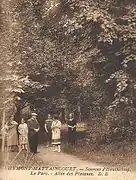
56,126
23,133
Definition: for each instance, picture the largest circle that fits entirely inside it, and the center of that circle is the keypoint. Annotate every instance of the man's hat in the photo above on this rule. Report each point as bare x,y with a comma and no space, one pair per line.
34,114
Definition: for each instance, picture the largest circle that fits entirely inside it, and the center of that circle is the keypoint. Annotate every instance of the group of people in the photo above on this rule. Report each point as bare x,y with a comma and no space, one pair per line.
25,134
53,131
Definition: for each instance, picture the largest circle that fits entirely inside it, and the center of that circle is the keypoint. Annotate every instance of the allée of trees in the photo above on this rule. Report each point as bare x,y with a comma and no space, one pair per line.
71,55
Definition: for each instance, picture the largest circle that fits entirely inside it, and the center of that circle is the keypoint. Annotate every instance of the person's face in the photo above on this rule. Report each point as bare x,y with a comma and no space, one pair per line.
22,121
55,118
71,116
49,116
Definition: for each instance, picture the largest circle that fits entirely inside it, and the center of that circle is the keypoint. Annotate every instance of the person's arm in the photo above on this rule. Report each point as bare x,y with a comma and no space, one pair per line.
74,125
45,126
11,126
38,126
69,125
26,129
5,129
59,124
6,126
19,129
52,125
36,130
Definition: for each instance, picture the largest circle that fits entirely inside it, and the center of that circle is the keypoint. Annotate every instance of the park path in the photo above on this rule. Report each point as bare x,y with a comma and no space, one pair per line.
55,159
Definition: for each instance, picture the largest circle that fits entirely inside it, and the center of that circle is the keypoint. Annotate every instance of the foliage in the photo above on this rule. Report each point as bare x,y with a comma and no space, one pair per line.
76,55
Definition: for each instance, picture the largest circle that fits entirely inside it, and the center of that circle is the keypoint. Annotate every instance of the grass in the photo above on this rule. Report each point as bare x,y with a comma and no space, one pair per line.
32,160
117,154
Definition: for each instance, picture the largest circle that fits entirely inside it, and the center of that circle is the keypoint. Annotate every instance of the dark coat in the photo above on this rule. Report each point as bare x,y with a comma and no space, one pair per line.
32,124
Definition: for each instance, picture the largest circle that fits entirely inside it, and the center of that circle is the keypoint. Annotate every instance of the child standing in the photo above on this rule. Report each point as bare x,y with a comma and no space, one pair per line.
23,135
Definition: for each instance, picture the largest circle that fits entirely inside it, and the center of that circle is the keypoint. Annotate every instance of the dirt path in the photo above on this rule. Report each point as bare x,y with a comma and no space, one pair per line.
54,159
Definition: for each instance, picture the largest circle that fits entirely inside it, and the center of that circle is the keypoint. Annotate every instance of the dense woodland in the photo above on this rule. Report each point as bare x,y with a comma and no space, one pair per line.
70,55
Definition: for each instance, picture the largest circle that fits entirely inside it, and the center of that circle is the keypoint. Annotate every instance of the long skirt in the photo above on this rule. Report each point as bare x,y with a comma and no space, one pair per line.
12,137
72,136
56,140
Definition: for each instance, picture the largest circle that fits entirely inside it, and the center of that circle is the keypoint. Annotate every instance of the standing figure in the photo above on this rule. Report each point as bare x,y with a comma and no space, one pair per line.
71,129
23,135
48,129
12,136
33,128
56,139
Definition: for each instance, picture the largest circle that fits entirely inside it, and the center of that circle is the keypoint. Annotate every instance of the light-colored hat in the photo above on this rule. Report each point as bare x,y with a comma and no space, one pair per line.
34,114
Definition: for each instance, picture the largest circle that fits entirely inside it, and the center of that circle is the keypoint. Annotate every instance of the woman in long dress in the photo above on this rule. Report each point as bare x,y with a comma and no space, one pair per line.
56,137
12,136
23,135
71,129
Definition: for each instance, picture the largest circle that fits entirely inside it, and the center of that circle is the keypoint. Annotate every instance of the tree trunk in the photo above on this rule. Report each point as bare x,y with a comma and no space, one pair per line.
79,112
3,136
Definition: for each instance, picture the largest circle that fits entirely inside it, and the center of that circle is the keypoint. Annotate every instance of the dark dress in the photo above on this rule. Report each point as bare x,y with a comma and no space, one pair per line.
48,123
32,134
72,131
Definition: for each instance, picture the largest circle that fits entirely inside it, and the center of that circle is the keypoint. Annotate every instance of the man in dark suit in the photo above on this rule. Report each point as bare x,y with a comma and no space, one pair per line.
33,128
48,129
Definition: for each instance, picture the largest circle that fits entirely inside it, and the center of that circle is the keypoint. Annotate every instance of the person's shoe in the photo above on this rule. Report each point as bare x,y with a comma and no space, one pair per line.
36,152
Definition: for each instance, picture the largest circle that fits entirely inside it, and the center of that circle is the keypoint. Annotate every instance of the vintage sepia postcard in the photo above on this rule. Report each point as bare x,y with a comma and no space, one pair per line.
68,89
